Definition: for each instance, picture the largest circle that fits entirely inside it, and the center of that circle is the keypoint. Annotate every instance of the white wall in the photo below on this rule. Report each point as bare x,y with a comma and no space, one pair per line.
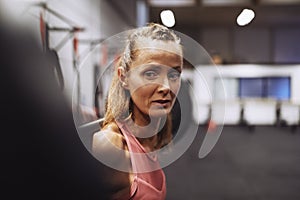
209,73
208,93
97,17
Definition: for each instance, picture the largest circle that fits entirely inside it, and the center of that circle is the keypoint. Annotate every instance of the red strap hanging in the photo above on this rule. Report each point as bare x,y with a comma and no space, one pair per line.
104,55
75,47
75,44
43,29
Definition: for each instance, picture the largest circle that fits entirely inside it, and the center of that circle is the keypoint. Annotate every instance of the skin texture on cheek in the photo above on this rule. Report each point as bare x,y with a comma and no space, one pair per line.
142,95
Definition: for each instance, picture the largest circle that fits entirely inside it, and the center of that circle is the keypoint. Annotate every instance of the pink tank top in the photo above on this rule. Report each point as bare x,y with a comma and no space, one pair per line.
150,185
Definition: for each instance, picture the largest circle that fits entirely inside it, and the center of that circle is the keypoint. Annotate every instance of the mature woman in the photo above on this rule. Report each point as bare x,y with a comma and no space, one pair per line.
138,114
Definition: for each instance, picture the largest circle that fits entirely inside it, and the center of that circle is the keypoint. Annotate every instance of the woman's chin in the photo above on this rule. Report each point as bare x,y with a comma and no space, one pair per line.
160,112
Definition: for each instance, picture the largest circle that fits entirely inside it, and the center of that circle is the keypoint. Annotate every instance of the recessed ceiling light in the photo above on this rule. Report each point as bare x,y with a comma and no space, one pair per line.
245,17
167,17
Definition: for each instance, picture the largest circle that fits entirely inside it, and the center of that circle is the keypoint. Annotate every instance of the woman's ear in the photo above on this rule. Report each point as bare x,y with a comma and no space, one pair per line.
123,77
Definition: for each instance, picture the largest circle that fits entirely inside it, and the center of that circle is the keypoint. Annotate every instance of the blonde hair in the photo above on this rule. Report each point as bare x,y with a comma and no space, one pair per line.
118,102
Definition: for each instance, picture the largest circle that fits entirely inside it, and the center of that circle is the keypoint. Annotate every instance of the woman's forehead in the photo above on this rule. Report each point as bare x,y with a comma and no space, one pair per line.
157,56
150,44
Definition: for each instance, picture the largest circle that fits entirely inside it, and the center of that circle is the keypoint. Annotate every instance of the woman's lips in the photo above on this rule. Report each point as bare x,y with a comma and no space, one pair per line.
162,102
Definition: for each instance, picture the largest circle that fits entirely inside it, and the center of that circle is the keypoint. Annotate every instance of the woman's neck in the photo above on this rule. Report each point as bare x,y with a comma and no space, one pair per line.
145,128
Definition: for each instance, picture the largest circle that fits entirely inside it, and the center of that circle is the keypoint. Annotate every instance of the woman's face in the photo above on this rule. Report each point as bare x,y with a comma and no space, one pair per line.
154,78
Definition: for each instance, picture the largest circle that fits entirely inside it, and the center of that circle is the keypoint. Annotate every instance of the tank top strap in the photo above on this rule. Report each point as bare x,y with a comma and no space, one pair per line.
128,139
147,161
149,179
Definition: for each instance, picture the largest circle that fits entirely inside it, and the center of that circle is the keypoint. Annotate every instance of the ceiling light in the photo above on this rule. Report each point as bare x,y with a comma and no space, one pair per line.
245,17
167,17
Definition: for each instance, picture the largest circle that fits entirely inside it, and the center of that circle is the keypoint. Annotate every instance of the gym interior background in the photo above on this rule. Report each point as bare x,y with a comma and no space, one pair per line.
258,154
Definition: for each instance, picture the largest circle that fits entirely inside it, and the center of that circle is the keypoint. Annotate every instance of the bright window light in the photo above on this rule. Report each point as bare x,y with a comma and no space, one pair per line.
245,17
167,18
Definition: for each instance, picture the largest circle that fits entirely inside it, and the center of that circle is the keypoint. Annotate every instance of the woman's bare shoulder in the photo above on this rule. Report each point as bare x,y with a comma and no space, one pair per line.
110,133
109,146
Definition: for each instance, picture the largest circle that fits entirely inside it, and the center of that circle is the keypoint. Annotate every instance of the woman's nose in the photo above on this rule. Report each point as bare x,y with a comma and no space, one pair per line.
164,85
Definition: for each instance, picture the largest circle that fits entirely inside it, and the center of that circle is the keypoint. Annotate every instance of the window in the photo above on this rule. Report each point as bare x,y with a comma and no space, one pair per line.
265,87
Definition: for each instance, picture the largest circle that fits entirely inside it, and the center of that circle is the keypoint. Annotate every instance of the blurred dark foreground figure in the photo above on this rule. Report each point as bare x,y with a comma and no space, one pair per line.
42,154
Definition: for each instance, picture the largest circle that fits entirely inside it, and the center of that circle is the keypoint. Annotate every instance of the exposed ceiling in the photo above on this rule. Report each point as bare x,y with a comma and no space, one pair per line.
204,13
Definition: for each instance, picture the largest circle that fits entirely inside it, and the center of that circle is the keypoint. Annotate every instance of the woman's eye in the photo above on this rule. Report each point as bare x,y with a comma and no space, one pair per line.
150,75
174,76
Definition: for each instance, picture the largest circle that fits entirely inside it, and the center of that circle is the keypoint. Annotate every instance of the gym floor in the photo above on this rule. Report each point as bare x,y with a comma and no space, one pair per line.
261,163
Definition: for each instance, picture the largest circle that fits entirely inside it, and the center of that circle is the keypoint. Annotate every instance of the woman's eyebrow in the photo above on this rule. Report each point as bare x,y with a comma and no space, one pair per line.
153,66
177,68
159,66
